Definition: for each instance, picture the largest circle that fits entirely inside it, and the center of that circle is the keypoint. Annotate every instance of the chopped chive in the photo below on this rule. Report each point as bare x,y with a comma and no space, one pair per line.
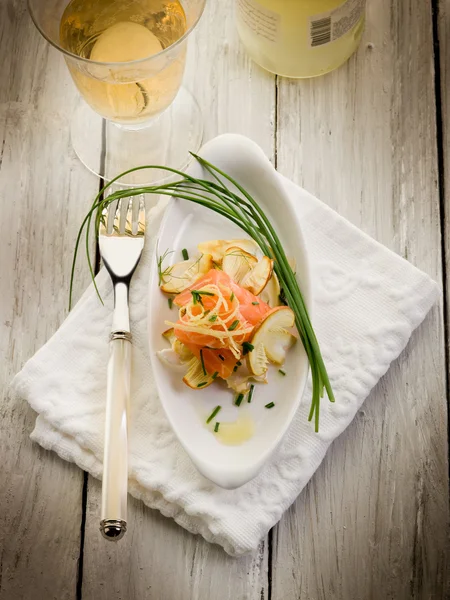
239,364
250,394
185,254
232,297
170,302
247,347
270,405
282,372
202,293
235,369
255,303
214,375
213,414
239,399
213,318
221,357
216,426
202,383
203,362
233,325
197,296
206,312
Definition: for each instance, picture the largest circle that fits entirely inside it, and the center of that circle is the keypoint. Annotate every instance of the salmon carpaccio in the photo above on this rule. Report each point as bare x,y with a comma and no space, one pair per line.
217,357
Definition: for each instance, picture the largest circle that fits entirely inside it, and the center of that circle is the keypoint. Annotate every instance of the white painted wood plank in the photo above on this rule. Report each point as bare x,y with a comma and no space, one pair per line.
43,194
373,523
157,559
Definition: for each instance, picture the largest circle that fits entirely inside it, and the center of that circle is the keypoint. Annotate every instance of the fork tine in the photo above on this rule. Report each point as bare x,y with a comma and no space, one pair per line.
141,217
104,221
117,213
128,219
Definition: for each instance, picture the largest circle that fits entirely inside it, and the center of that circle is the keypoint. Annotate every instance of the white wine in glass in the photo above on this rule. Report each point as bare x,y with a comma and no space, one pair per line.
127,59
124,31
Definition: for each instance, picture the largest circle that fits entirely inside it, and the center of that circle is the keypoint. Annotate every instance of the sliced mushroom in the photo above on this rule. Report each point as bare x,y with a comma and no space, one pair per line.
237,263
169,357
178,354
169,334
271,293
240,380
183,274
256,280
195,377
271,340
218,248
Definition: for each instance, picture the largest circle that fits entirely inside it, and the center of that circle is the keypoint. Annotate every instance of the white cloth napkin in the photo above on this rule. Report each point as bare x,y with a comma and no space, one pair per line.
367,303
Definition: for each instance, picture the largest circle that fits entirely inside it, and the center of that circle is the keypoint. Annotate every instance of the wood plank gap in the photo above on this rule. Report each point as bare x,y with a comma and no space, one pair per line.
79,590
275,125
269,564
98,258
97,265
270,534
441,184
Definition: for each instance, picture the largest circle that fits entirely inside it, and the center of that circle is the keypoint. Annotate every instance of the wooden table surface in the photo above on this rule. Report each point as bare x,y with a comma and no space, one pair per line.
372,140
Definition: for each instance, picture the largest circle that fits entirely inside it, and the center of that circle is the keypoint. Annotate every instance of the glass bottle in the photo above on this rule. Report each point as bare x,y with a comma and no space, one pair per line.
300,38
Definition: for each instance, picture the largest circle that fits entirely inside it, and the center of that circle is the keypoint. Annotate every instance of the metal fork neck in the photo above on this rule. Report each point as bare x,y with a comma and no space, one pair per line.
121,317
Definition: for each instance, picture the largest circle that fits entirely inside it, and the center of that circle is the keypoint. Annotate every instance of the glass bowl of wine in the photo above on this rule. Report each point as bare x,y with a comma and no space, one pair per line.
127,59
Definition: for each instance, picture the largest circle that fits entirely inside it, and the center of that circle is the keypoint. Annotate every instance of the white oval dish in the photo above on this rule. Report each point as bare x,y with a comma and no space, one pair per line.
184,226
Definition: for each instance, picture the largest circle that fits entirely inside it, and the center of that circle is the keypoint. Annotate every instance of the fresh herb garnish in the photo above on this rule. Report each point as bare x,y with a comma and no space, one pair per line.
197,296
270,405
221,357
203,362
232,297
282,372
255,303
213,414
213,318
170,303
239,364
163,274
214,375
250,394
233,325
202,384
247,347
239,399
237,205
235,369
216,427
185,254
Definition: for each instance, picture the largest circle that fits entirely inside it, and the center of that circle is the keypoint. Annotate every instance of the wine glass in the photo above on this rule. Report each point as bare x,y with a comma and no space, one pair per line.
127,59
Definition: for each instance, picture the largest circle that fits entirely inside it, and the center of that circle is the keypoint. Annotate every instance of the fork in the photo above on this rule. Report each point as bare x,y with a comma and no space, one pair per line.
121,240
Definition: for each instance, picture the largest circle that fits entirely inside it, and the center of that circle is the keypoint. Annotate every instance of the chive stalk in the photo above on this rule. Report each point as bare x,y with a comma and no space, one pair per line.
250,394
233,325
203,362
213,414
239,399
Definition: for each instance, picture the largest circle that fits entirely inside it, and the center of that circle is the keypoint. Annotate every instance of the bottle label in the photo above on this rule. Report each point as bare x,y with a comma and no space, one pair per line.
262,21
332,25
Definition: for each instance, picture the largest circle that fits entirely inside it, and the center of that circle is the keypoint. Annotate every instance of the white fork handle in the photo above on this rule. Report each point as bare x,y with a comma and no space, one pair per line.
115,459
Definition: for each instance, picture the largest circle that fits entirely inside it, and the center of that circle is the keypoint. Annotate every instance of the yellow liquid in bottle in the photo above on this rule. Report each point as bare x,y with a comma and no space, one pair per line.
300,38
120,31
